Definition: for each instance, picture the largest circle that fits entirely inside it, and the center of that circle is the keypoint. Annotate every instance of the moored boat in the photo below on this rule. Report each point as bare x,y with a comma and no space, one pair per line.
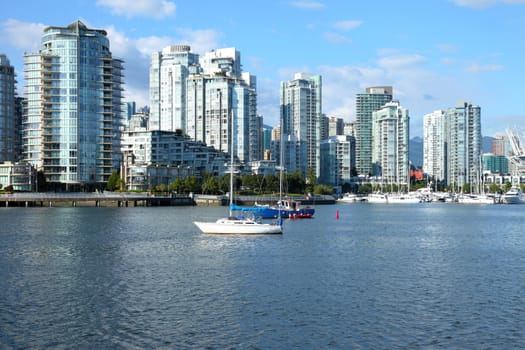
514,196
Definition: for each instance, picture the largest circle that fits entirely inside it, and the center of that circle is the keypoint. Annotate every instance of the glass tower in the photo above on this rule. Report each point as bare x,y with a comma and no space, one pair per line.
301,118
390,132
71,126
434,150
372,100
8,117
463,142
169,70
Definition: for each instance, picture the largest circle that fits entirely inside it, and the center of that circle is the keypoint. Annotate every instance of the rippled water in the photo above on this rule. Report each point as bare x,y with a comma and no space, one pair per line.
436,276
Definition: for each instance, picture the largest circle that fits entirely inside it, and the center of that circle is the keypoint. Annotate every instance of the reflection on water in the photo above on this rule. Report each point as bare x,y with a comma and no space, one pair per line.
408,276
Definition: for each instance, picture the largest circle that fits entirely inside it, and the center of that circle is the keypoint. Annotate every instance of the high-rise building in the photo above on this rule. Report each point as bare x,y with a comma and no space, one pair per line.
372,100
9,120
495,164
301,116
337,160
214,101
202,96
169,70
71,125
501,145
225,61
390,134
463,142
335,126
434,150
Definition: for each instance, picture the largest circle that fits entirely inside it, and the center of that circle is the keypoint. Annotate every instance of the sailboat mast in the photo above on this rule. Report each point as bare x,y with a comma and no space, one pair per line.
231,162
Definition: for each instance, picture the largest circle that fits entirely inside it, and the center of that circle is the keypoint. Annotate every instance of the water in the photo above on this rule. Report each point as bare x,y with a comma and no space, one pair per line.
429,276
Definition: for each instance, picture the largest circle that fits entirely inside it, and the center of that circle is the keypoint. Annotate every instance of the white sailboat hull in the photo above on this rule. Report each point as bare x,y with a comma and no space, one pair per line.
514,196
241,226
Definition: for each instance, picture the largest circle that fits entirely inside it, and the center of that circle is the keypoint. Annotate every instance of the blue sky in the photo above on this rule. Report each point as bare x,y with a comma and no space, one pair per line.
434,52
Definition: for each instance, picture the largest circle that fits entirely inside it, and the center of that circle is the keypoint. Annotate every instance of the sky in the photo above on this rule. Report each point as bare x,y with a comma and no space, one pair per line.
434,53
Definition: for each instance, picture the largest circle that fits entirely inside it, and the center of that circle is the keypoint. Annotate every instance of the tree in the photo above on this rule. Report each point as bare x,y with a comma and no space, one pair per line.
310,180
494,188
114,181
41,181
210,185
191,184
323,189
271,183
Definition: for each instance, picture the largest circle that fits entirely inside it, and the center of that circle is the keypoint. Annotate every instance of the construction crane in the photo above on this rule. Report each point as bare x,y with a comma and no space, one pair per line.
518,152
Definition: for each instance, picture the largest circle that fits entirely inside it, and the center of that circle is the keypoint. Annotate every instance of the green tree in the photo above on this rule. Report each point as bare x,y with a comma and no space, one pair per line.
210,185
310,180
41,181
295,183
177,185
494,188
114,181
323,189
271,183
191,184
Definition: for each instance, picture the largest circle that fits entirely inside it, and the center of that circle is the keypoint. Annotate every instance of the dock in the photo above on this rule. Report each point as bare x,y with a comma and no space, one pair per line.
97,199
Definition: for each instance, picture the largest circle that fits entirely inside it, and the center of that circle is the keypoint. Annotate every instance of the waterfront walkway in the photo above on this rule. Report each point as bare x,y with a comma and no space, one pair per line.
125,199
94,199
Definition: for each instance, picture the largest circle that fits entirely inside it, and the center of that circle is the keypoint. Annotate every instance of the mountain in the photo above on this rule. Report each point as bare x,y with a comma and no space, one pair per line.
415,154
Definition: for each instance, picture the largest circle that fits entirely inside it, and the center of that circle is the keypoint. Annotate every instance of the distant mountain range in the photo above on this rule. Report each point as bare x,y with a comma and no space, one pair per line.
416,149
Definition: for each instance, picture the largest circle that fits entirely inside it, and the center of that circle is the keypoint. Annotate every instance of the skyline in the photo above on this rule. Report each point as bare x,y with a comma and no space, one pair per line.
433,55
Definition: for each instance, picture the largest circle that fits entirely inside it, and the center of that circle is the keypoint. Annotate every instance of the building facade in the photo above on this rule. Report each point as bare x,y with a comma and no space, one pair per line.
390,133
71,124
169,70
366,103
495,164
301,118
463,144
337,160
9,119
434,146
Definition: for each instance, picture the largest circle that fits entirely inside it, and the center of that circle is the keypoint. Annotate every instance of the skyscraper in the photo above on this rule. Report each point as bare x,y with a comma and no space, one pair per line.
373,99
216,96
301,118
390,134
8,117
434,150
169,70
463,140
74,106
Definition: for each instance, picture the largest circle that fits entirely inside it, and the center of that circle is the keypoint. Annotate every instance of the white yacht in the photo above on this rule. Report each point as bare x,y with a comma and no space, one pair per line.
377,197
238,225
465,198
396,198
514,196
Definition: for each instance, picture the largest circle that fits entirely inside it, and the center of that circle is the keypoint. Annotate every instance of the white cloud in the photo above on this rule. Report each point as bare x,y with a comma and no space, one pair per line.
401,61
201,40
478,68
136,53
347,25
140,8
337,38
486,3
21,35
307,4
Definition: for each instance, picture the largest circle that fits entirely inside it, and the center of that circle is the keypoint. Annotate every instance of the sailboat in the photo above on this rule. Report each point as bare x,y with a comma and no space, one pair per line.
285,208
238,224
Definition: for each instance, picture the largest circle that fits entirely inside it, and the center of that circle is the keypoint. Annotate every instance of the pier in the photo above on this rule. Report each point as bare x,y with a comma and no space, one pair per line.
127,199
97,199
